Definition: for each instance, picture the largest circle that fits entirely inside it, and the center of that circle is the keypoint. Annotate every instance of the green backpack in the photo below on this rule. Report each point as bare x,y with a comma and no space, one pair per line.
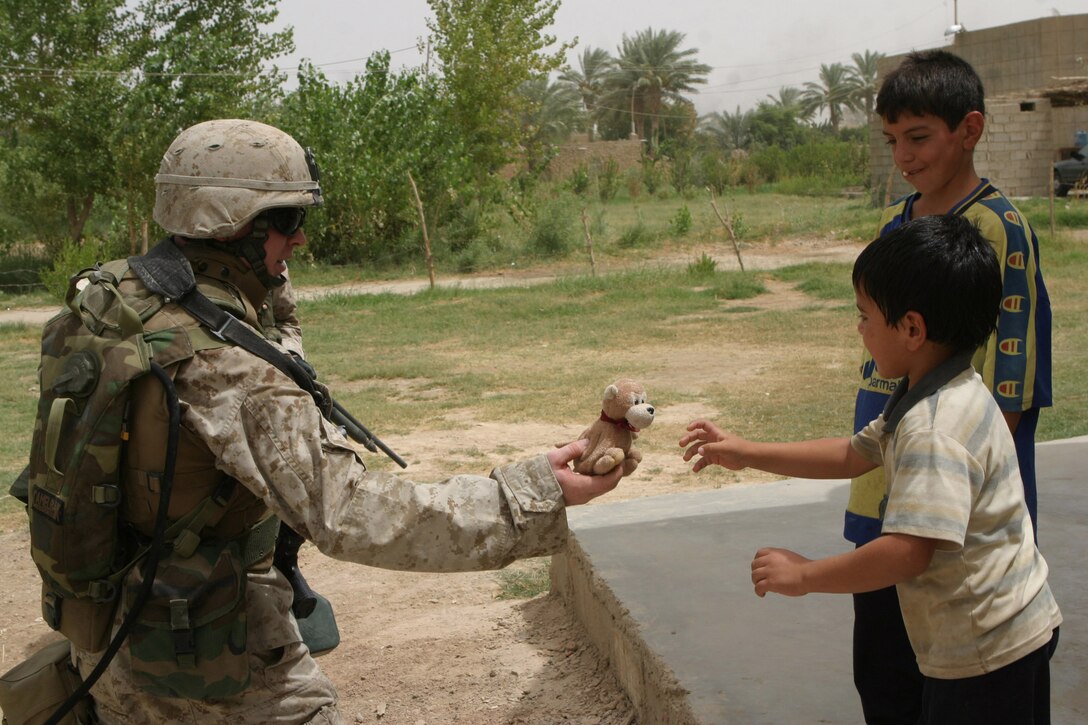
91,354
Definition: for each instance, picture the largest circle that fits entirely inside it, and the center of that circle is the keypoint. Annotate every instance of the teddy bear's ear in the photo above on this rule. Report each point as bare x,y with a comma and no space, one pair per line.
611,392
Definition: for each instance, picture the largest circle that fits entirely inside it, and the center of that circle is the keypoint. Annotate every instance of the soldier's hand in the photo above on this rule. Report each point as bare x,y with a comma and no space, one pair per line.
578,488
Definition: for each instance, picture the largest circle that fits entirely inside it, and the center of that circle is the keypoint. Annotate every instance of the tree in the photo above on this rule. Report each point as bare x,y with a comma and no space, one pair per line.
773,125
833,92
728,130
367,135
790,98
59,94
862,80
593,67
103,87
195,60
549,113
650,69
487,49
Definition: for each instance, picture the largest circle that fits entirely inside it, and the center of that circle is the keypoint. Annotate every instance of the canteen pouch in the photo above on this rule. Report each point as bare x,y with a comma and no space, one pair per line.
319,631
189,640
32,691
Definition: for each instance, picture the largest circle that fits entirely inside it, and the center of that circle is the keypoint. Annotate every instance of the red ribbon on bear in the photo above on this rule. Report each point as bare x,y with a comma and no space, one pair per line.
621,423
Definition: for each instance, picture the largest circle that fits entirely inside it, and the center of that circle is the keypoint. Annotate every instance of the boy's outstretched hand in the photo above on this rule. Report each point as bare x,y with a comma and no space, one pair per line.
712,445
778,571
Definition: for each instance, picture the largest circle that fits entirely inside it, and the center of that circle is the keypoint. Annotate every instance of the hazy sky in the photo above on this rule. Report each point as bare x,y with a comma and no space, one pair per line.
754,46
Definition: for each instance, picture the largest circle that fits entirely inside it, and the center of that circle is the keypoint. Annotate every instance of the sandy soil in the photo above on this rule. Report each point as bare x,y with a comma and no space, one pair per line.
424,648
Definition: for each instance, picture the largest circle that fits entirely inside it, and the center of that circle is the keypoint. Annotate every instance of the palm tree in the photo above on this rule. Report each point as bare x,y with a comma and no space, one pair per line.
650,69
863,79
594,66
729,130
790,99
833,92
552,108
550,111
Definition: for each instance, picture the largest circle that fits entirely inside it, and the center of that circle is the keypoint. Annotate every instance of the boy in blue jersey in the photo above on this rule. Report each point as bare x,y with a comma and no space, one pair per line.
956,539
932,109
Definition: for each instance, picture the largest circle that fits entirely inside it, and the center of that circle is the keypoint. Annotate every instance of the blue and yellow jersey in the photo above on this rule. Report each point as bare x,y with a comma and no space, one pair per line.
1014,363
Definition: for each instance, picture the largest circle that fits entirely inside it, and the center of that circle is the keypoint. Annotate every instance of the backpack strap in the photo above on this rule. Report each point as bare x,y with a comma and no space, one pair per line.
166,271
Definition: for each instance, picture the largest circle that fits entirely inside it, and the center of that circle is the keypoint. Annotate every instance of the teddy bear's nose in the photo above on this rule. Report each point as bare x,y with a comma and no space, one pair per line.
650,410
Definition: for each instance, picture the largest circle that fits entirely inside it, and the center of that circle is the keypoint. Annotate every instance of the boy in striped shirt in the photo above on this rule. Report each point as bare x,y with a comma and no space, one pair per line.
956,540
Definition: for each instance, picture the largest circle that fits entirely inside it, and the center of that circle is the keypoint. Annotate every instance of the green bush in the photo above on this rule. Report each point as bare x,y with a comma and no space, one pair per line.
552,233
830,159
608,179
737,286
681,173
651,176
633,178
578,181
71,259
704,266
770,163
636,235
680,224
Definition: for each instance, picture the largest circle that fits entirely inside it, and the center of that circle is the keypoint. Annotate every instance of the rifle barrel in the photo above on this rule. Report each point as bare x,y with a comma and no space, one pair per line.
359,433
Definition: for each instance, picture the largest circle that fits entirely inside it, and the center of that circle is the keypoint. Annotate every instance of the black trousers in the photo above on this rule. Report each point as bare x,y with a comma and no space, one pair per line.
894,692
1016,694
885,670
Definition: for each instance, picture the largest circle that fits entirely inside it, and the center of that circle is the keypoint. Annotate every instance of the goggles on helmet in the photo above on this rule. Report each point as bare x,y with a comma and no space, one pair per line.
286,220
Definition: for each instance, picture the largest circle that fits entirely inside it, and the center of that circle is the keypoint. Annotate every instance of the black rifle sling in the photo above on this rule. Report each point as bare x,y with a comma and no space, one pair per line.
166,271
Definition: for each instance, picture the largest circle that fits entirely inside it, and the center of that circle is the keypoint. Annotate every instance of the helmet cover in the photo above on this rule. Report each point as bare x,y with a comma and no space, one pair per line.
217,175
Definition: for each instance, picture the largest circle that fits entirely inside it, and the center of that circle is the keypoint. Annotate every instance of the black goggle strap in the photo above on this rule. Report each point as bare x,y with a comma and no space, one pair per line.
251,248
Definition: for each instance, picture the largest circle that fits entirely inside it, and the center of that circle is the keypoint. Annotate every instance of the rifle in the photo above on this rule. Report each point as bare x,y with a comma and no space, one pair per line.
289,541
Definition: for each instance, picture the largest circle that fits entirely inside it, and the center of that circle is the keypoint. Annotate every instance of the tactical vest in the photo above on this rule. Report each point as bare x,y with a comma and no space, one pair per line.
97,461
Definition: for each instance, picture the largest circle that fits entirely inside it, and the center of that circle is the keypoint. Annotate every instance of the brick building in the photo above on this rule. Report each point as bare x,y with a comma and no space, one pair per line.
1036,78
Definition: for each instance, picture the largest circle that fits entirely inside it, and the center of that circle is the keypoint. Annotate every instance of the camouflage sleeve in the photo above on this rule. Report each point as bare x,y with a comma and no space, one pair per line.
284,306
267,433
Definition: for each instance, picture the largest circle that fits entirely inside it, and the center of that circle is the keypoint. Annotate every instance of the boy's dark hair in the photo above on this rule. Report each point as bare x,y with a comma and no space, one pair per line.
933,82
940,267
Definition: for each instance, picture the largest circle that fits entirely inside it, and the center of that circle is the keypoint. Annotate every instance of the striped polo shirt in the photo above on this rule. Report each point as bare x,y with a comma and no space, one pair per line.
952,472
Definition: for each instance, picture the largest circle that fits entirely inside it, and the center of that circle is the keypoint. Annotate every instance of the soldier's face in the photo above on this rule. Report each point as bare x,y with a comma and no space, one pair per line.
279,248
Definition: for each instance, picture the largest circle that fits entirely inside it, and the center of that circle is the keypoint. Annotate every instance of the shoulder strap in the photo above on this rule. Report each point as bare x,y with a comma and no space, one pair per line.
166,271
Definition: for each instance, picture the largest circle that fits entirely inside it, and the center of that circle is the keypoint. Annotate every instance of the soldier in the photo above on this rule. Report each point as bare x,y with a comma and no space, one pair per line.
233,195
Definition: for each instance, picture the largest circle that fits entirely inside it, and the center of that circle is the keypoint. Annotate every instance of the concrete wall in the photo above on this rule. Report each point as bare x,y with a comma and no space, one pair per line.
1025,133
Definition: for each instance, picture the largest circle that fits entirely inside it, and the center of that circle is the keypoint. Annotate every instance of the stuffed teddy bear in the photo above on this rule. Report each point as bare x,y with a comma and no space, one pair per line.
624,413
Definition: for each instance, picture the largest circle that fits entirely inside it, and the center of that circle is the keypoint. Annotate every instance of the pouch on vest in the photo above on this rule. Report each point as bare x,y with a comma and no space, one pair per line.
189,640
91,353
32,690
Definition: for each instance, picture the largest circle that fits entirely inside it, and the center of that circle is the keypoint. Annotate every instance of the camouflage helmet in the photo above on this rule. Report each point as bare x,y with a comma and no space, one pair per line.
218,175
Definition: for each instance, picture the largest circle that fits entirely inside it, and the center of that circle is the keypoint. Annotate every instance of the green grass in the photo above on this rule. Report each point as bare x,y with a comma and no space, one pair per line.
18,398
633,228
525,579
536,352
822,281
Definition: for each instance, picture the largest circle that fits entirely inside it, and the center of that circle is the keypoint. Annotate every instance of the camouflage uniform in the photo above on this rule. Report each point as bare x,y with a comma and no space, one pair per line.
265,432
280,313
243,419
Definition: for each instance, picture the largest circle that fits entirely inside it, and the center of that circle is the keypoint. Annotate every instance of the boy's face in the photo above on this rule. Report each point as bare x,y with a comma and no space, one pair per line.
885,343
935,160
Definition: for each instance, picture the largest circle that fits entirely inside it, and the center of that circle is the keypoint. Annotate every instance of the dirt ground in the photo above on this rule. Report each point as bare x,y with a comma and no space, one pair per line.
425,648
